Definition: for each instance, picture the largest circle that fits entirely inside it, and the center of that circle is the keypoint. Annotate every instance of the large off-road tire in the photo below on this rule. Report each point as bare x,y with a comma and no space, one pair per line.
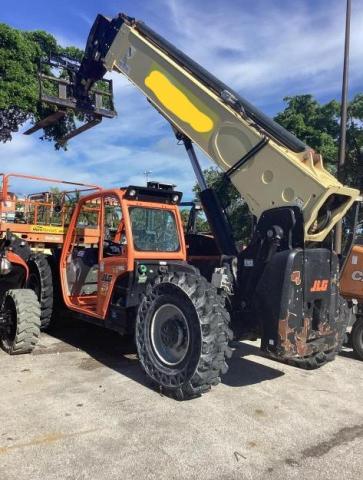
182,334
40,280
356,337
321,358
21,311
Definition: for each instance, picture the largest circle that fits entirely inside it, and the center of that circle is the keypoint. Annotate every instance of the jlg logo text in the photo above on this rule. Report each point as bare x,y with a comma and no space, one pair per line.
320,286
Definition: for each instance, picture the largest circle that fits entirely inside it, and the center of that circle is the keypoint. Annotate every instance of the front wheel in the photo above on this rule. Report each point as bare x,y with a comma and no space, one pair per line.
182,334
20,314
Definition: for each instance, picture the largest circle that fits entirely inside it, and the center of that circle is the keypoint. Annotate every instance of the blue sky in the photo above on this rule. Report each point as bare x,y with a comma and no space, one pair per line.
265,49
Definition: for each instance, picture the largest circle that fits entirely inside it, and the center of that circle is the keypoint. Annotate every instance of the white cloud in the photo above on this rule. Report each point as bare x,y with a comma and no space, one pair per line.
263,49
271,49
100,158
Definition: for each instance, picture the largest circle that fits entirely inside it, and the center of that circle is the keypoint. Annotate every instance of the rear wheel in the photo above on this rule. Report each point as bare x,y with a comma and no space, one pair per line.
356,337
21,315
182,334
41,282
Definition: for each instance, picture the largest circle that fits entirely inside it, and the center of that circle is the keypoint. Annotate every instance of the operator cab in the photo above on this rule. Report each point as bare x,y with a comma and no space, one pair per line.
110,232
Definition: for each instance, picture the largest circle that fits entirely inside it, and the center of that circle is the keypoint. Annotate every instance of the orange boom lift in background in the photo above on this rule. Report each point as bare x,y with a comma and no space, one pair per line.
40,218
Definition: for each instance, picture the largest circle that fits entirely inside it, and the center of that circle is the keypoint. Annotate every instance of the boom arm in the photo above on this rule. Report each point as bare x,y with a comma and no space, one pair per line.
269,166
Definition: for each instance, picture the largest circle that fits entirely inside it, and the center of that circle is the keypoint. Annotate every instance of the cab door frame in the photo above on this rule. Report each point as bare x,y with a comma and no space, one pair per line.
111,267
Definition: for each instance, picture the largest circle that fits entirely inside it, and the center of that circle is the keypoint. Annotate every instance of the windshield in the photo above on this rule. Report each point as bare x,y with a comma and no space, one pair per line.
154,230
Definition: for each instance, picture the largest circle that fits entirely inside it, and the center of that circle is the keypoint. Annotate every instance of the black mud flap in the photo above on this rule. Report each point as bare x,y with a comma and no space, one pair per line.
297,301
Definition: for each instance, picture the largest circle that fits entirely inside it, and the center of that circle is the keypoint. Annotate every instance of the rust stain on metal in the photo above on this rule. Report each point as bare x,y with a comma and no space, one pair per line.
325,329
284,333
301,337
300,342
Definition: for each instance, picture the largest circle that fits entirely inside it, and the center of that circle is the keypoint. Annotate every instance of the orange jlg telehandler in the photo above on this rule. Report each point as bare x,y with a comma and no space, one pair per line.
122,265
284,285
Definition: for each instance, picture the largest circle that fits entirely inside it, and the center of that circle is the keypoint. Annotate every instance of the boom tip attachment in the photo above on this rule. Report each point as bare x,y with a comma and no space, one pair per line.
68,93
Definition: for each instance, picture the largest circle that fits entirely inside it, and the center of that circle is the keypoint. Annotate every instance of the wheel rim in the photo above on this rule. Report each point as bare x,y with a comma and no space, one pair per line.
10,323
169,334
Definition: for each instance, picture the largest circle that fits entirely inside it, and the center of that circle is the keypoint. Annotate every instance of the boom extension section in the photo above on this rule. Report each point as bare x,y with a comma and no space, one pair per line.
269,166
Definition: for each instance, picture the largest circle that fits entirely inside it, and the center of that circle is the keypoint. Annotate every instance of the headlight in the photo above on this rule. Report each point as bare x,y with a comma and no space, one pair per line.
5,266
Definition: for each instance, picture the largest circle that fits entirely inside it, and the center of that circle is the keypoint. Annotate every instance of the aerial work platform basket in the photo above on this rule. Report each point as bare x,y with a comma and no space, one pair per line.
39,217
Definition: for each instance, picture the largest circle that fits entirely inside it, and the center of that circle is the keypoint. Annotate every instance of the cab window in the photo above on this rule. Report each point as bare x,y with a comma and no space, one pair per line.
89,215
114,241
112,218
154,230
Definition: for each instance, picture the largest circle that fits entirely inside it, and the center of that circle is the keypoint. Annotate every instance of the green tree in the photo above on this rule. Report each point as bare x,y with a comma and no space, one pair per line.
20,52
319,126
202,225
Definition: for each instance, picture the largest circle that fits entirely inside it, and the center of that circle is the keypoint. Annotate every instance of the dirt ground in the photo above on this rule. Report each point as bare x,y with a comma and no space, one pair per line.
80,407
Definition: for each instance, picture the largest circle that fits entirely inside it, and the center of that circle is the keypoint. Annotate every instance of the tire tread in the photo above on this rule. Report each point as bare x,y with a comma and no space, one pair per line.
28,322
38,262
214,327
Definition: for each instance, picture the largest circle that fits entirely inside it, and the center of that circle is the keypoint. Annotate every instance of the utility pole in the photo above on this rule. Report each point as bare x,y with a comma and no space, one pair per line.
343,118
147,174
